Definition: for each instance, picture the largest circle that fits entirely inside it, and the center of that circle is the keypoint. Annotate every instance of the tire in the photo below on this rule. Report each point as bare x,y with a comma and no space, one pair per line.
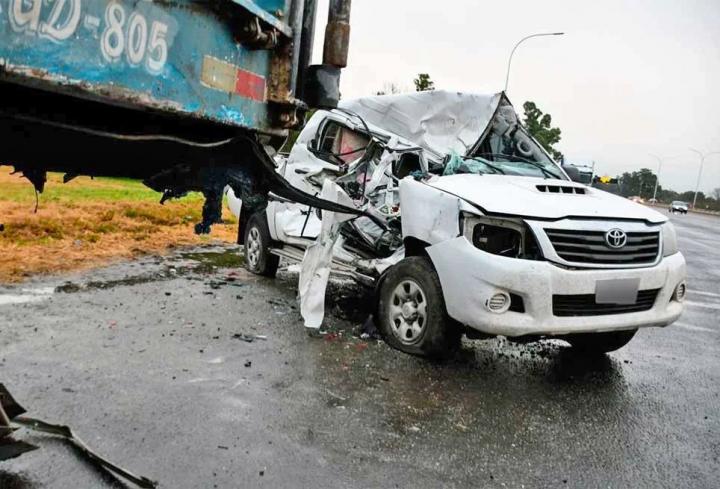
258,258
600,342
411,311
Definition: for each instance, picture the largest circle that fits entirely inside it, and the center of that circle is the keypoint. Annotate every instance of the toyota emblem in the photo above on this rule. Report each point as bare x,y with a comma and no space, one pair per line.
616,238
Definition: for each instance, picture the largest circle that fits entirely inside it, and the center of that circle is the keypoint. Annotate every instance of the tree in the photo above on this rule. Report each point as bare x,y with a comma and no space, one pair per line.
640,183
716,193
423,83
539,126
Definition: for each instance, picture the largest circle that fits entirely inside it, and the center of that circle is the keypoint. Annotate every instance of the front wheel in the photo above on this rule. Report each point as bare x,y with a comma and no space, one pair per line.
411,311
600,342
258,258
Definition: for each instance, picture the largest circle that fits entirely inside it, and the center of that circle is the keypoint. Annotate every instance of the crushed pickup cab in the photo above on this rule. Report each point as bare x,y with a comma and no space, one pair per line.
466,226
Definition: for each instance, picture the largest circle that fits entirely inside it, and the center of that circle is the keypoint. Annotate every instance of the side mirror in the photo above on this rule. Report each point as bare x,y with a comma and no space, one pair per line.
573,173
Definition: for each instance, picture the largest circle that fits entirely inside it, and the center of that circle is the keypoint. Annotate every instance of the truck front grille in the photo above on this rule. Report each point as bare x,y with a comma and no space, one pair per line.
585,305
590,247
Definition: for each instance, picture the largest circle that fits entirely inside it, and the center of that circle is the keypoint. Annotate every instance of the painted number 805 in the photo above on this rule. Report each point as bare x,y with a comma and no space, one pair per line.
130,36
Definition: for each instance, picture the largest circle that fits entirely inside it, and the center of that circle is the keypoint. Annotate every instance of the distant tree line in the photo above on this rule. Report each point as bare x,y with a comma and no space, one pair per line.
641,183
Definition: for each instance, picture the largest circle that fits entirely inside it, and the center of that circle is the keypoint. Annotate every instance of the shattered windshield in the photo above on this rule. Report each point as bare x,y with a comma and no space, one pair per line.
458,164
511,149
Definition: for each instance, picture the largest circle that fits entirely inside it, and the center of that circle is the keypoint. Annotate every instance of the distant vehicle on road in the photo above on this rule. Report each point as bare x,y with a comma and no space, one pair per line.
678,206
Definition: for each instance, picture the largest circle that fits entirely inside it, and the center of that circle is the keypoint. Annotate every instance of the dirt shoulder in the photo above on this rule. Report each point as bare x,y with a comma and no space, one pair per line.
87,222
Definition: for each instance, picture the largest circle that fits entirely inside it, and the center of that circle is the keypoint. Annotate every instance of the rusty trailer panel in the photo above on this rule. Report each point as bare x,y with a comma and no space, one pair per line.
207,60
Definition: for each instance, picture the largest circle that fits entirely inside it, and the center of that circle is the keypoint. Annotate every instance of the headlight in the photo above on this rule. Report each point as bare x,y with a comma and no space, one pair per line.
504,237
669,237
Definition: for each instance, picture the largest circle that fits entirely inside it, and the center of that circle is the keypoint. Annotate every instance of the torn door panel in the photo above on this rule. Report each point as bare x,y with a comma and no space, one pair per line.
315,271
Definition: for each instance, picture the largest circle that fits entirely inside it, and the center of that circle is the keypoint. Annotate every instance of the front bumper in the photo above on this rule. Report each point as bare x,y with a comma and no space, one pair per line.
470,276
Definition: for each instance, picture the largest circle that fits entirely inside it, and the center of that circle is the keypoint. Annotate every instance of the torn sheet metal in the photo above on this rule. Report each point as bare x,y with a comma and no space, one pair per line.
66,433
438,121
10,407
429,214
315,271
10,413
10,447
369,181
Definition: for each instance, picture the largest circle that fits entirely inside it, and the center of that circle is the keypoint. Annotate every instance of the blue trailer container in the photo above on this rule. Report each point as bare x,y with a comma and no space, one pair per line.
186,95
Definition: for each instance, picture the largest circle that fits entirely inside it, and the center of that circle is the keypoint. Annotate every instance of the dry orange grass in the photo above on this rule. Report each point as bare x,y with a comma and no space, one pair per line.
86,223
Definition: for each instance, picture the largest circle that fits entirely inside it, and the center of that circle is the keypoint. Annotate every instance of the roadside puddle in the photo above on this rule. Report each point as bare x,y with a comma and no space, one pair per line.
198,261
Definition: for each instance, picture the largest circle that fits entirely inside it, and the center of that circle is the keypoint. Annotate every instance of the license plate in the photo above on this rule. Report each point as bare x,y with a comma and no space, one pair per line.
617,291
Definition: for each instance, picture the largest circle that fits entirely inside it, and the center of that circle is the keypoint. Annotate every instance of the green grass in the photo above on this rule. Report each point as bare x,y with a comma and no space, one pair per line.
83,189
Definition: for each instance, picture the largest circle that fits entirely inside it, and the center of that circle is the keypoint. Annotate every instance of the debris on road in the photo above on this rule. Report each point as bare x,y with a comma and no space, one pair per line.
369,330
248,338
10,413
9,409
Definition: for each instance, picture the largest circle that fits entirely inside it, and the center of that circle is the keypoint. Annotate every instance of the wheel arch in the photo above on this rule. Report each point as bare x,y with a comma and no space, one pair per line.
242,223
415,246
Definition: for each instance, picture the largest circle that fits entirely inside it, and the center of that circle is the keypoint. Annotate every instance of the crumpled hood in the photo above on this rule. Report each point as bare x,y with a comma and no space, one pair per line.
520,196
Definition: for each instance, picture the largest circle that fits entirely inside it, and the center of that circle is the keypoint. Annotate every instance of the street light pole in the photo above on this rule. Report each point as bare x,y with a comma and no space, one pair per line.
657,177
507,76
702,162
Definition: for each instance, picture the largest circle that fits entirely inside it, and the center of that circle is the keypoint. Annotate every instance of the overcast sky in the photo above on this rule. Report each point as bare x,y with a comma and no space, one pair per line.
627,78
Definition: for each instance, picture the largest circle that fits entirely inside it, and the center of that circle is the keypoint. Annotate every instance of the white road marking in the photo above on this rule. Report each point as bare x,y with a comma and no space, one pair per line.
703,305
40,291
7,299
709,294
692,327
29,295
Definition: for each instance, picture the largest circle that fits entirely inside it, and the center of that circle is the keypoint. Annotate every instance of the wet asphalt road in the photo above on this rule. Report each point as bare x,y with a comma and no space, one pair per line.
139,358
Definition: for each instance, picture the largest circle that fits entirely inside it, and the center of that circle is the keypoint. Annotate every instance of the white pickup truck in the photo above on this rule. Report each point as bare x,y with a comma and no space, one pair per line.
468,227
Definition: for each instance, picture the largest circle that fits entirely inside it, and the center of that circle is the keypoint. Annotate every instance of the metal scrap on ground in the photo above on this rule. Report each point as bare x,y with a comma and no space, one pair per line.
248,338
10,413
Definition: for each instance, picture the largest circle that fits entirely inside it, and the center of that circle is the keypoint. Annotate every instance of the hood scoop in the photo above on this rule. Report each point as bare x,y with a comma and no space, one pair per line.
561,189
